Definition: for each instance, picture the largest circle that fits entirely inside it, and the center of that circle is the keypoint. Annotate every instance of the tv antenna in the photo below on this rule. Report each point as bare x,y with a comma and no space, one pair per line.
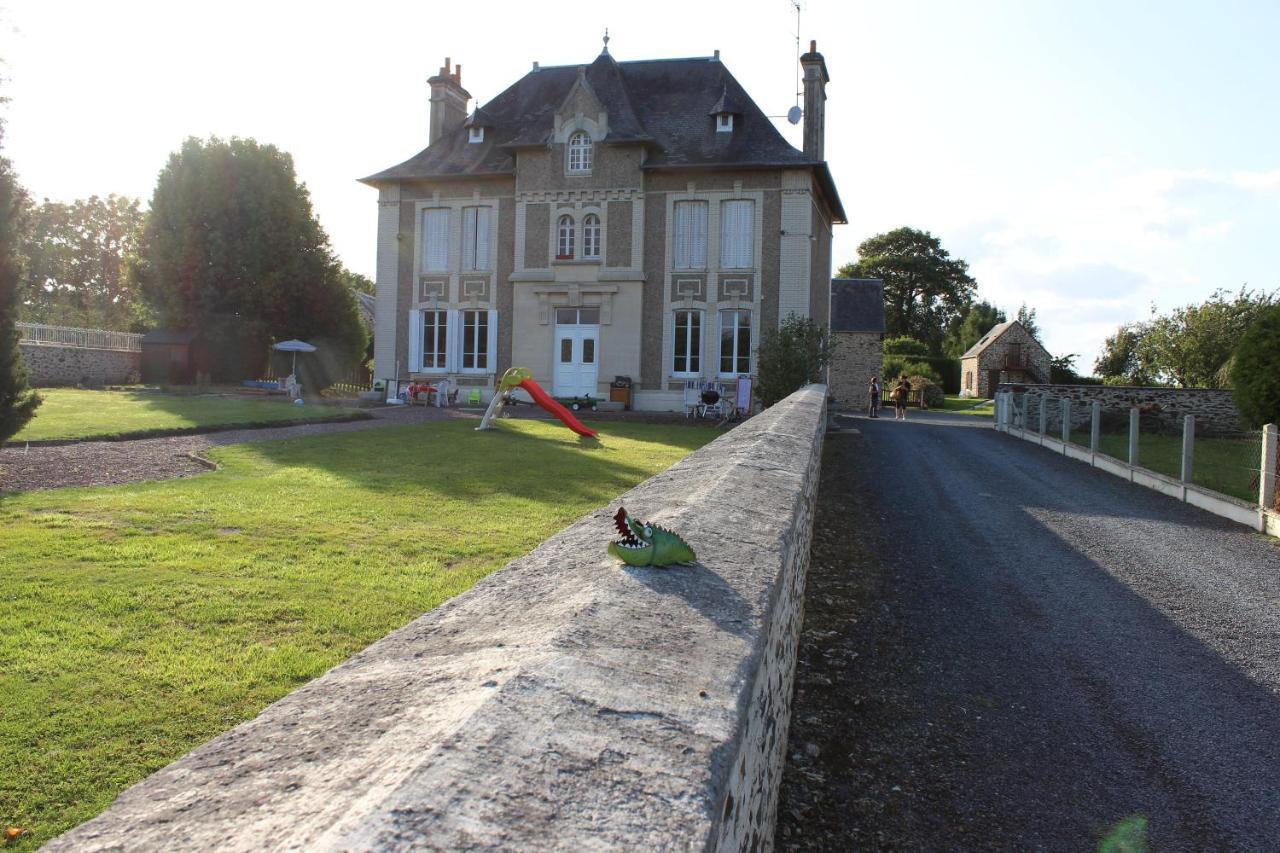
795,113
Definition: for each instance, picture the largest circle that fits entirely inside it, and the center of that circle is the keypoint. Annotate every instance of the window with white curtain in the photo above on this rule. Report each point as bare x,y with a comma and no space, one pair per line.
435,340
689,232
475,238
580,152
591,236
435,240
735,342
564,238
688,343
737,230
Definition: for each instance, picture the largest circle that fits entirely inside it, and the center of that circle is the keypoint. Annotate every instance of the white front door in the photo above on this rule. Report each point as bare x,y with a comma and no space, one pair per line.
577,356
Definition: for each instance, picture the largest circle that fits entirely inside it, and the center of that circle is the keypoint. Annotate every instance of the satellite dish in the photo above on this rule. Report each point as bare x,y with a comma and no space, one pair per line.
794,114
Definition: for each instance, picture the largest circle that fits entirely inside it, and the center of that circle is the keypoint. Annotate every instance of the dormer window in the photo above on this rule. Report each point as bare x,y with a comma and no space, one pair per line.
724,123
579,153
476,134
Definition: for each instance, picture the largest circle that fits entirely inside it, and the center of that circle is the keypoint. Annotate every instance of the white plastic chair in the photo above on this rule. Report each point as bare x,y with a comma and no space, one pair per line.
692,397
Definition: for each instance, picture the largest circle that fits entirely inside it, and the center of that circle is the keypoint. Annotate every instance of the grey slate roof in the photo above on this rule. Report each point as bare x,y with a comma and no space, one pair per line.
988,339
857,305
663,103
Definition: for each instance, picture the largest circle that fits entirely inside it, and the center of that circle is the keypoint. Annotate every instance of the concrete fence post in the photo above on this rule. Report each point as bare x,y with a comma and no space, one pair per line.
1095,426
1043,416
1134,420
1066,419
1188,446
1267,481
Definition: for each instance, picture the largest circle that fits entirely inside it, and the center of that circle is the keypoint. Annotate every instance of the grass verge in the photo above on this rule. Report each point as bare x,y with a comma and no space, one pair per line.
71,414
1225,465
137,622
966,406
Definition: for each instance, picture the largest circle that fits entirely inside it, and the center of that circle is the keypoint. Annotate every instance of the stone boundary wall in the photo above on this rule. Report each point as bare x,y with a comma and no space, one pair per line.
50,365
1215,409
566,702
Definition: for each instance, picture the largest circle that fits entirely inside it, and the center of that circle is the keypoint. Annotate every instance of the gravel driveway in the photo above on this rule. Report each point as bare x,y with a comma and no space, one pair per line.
1004,649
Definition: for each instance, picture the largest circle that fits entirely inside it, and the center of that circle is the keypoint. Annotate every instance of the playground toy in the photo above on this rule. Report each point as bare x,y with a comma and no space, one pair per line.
641,544
522,377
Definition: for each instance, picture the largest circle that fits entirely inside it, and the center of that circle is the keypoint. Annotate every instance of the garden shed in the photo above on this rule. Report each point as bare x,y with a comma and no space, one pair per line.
174,356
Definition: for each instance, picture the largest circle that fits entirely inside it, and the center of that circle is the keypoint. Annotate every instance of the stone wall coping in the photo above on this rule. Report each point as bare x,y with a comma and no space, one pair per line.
1161,388
564,702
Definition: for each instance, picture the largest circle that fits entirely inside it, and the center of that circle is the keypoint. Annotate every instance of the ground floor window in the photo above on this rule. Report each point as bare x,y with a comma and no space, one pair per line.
968,380
735,342
688,344
475,340
435,339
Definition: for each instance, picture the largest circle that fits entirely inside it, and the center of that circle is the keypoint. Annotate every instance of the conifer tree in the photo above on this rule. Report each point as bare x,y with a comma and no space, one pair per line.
17,401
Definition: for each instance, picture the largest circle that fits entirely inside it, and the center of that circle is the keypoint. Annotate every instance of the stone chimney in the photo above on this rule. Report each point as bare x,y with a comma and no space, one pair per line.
448,101
815,101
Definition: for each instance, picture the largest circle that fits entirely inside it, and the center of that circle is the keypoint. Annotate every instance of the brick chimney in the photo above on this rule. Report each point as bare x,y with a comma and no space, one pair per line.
815,101
448,101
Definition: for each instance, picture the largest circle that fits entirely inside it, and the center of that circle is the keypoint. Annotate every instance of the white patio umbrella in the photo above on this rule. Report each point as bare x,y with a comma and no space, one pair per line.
295,347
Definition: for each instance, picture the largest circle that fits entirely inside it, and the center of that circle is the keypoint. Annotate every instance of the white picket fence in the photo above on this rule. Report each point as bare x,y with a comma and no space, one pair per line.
68,336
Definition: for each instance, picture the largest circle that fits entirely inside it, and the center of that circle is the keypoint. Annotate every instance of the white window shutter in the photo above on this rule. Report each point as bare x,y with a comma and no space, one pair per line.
469,237
736,221
482,238
435,240
453,342
415,341
699,234
492,364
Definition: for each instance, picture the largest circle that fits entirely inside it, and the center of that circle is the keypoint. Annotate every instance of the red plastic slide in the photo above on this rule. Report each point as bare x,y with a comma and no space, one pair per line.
546,401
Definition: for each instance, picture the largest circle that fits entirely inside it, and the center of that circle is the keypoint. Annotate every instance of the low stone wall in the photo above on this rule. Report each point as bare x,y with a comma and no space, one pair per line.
565,702
49,365
1214,409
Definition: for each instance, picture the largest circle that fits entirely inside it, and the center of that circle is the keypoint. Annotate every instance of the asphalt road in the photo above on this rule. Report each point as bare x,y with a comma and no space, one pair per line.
1028,653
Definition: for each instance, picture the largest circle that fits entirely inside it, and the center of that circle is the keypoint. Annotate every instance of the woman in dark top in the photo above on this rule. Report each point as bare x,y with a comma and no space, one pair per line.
900,399
873,398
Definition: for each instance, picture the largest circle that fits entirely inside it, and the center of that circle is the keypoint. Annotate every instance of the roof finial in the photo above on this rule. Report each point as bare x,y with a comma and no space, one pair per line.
606,42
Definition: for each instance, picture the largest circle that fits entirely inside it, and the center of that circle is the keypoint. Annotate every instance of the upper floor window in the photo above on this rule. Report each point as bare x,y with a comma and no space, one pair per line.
475,238
564,238
724,122
476,134
591,236
435,240
690,235
580,152
737,232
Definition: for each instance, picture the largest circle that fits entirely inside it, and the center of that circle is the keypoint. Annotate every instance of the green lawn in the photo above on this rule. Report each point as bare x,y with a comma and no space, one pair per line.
1224,465
69,413
137,622
966,406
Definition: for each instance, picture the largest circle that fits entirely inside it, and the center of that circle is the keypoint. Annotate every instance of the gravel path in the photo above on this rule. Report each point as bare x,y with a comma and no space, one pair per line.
102,463
1004,649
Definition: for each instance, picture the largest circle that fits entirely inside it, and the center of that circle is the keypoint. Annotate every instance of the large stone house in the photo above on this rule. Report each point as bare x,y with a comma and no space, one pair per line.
1007,353
640,219
857,337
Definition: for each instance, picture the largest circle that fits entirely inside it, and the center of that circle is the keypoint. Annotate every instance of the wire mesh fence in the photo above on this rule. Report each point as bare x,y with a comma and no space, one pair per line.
1052,417
1231,465
1113,432
1159,444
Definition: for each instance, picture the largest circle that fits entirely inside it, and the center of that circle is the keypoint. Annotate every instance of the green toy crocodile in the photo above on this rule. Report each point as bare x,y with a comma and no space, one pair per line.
647,544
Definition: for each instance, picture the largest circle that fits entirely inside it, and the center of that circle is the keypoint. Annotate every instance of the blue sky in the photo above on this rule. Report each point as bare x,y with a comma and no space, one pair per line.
1088,158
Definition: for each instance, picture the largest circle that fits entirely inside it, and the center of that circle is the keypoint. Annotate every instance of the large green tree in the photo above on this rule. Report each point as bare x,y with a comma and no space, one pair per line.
925,289
76,260
977,320
1255,371
1192,345
232,247
17,401
1120,362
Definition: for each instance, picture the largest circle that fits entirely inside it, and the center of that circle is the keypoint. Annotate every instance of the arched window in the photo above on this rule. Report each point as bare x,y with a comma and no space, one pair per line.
580,152
591,236
564,238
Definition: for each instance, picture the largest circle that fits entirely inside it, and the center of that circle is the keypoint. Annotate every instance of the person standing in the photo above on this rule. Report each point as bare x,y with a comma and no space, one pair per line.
873,398
899,396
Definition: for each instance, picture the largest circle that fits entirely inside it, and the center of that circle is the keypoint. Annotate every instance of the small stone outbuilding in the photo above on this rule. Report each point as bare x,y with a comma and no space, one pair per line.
1007,353
857,330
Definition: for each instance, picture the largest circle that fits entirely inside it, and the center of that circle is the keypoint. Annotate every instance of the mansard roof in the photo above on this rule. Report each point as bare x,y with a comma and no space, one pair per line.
663,104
